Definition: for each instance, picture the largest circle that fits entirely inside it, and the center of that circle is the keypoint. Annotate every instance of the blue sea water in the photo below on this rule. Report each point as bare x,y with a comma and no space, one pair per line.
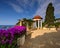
5,26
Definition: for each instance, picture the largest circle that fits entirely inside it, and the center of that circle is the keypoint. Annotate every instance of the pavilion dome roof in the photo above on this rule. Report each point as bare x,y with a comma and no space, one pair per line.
37,17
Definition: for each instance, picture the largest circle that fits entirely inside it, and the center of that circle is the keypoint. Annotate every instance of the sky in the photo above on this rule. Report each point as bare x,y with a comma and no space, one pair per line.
12,10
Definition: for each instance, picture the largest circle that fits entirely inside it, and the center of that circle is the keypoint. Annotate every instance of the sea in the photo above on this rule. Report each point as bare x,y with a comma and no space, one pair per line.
5,26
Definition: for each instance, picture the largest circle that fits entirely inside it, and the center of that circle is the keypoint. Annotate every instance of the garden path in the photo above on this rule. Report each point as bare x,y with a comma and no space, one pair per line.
43,39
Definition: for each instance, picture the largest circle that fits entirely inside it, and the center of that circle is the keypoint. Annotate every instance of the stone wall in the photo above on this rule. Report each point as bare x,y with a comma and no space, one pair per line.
49,28
21,41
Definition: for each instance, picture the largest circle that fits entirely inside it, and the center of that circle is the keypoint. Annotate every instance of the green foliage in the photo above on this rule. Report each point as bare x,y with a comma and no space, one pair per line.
57,24
30,22
3,46
43,24
49,18
24,22
27,21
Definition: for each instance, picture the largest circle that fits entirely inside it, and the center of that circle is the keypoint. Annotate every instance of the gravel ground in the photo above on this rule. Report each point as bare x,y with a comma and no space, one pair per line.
43,39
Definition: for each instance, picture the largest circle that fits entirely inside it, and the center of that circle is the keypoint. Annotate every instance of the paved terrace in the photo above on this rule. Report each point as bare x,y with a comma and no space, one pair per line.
43,39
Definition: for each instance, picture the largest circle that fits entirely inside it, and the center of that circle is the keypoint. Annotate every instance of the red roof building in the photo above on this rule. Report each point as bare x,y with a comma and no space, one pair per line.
38,20
37,17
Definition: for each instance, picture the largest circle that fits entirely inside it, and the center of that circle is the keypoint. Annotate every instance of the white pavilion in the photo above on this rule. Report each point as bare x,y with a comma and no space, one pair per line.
38,21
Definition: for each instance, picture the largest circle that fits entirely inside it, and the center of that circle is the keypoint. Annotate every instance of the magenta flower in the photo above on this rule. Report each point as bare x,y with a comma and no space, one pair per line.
3,42
11,34
10,41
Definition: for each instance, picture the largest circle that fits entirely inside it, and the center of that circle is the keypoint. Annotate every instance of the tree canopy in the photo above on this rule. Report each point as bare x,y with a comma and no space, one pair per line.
49,18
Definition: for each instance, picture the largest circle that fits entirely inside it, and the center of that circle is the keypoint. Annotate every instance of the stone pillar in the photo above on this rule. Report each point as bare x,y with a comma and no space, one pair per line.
41,23
27,27
35,25
20,23
38,24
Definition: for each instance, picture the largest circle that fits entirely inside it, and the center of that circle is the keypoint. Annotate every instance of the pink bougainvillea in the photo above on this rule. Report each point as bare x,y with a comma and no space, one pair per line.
9,36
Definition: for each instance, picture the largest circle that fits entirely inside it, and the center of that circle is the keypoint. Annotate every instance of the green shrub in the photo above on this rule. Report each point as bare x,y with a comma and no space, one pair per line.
57,24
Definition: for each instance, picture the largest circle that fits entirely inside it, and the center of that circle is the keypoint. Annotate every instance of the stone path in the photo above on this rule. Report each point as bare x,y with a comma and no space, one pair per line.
43,39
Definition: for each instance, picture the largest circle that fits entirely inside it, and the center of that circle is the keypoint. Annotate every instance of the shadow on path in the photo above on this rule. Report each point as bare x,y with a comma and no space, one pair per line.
48,40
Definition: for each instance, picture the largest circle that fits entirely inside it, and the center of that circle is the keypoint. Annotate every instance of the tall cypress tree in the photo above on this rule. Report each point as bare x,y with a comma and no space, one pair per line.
49,18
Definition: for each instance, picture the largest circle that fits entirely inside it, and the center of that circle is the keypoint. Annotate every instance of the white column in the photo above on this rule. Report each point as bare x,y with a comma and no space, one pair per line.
35,25
38,24
41,23
27,24
27,27
20,23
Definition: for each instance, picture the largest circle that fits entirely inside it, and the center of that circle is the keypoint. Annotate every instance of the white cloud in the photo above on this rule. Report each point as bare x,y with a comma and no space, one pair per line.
42,5
23,3
17,8
57,8
29,3
42,8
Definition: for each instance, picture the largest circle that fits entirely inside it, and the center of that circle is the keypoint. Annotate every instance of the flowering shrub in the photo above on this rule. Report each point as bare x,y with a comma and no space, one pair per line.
8,38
